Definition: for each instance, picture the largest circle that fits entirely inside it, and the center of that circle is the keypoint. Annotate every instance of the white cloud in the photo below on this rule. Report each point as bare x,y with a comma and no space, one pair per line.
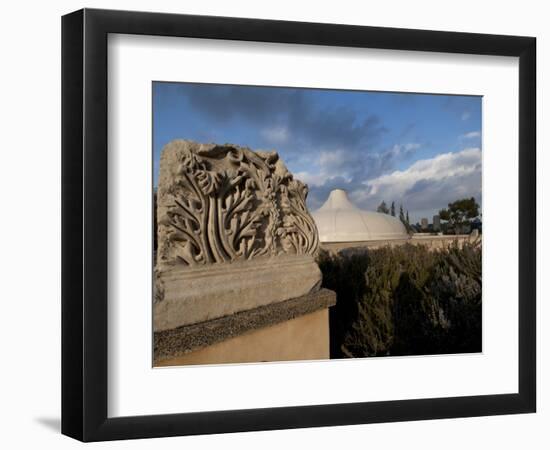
276,135
331,160
311,179
471,135
400,150
442,166
346,165
465,115
330,165
341,168
428,184
411,146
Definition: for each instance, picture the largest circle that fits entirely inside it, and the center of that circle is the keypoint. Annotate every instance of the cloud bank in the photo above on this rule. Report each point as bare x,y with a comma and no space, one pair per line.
285,114
423,188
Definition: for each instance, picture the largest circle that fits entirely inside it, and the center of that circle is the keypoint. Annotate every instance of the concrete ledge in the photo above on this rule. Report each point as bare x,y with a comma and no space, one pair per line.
170,344
186,296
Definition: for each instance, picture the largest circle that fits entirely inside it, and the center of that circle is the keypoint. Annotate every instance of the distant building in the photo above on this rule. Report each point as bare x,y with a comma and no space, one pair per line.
476,224
339,220
437,223
343,227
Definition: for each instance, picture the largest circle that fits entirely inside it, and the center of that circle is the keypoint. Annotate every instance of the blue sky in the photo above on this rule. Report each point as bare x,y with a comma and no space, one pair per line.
419,150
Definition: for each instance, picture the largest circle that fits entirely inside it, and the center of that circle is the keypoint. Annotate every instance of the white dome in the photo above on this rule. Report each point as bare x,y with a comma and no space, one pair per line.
338,220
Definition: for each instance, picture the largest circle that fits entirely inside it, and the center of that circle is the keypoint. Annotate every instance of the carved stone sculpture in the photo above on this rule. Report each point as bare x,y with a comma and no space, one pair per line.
234,233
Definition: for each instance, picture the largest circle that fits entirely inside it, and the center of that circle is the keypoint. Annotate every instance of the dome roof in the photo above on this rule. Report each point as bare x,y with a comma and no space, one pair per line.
339,220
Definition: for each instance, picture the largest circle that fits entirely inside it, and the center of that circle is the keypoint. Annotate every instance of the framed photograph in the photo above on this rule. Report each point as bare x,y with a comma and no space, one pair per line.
272,224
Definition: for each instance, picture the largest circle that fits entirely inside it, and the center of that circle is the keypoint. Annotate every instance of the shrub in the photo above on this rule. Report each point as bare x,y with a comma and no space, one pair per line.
405,300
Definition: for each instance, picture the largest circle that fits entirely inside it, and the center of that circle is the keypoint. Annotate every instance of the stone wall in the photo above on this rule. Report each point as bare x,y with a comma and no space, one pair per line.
431,241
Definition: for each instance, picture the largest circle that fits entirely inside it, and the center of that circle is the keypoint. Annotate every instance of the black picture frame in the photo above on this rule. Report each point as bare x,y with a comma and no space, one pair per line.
84,224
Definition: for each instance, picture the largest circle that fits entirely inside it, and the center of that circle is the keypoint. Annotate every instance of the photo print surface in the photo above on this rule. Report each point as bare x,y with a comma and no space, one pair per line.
311,224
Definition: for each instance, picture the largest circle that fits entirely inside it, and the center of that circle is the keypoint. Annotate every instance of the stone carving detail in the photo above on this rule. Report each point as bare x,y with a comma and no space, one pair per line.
221,203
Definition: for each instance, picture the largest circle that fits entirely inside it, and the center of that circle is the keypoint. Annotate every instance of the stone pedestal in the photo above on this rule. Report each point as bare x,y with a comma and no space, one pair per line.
296,329
235,275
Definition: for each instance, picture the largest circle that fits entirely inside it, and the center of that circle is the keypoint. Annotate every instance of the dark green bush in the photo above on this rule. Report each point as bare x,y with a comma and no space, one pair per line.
405,300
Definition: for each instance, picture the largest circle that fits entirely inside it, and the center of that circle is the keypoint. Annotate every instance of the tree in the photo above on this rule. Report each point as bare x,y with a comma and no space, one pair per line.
402,215
382,208
460,212
393,209
405,219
